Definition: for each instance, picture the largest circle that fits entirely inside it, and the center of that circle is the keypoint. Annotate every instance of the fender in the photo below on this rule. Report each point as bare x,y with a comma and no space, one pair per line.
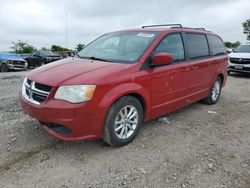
122,90
220,69
113,95
214,77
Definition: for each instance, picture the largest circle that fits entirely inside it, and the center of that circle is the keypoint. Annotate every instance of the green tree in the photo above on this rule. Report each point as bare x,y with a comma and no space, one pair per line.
79,47
57,48
232,44
246,28
22,47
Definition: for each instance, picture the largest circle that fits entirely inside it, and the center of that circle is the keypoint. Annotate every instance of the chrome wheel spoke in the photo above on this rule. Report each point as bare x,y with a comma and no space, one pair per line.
121,114
131,111
118,122
125,112
122,131
130,127
119,127
126,132
132,121
135,113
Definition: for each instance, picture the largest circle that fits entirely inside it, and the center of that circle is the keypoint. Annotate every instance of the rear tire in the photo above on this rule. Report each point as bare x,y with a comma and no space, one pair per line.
4,68
123,121
214,93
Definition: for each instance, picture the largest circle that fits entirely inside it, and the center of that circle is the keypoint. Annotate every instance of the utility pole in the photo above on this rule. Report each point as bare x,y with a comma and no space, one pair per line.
66,32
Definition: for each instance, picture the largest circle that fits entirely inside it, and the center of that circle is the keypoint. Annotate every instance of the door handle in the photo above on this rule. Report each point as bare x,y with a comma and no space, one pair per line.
195,67
185,69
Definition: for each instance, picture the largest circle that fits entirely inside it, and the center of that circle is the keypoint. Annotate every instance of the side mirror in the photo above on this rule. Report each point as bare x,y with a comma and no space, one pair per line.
162,58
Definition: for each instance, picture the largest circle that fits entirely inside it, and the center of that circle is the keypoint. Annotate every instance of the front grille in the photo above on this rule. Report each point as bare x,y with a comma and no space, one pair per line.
20,63
35,92
240,60
244,69
43,87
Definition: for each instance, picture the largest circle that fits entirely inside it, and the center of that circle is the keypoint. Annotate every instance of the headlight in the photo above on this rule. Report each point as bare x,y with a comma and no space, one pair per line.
75,93
9,62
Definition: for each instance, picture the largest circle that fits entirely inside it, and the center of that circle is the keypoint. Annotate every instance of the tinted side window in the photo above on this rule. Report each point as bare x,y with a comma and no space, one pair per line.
172,44
197,45
217,46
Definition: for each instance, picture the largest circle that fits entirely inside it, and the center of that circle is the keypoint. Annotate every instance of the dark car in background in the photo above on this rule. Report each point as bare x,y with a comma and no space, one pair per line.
66,54
11,61
42,57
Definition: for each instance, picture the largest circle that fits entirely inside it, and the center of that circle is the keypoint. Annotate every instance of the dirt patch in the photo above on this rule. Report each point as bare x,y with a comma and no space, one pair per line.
198,146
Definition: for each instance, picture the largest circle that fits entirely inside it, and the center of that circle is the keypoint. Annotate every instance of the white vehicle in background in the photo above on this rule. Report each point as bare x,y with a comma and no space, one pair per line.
239,59
229,50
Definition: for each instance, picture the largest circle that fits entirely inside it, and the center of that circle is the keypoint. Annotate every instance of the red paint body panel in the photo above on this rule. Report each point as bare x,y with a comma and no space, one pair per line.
163,89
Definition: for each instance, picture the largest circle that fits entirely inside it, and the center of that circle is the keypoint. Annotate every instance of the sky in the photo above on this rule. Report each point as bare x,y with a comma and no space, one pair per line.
43,23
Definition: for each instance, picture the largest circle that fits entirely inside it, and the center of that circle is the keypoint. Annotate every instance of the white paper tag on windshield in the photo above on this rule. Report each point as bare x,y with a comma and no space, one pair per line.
149,35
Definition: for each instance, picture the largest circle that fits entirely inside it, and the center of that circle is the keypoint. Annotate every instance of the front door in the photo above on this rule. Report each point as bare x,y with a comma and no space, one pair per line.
170,82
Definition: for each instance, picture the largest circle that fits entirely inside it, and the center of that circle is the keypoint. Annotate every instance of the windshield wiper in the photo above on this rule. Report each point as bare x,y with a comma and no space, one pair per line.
95,58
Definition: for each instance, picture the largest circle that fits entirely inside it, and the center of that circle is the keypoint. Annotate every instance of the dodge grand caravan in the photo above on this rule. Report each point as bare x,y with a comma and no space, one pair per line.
124,78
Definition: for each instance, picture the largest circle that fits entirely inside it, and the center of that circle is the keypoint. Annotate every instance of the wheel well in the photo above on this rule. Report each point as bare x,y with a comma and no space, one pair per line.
221,77
141,99
138,97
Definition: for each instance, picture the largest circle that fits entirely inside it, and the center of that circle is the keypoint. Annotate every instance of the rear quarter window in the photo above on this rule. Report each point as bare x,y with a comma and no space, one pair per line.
197,45
216,45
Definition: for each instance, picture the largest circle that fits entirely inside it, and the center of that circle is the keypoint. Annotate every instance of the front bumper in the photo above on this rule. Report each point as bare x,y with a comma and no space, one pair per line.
77,121
17,67
241,68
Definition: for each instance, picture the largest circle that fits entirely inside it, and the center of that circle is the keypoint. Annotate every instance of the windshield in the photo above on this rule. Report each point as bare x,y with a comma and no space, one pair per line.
120,47
242,49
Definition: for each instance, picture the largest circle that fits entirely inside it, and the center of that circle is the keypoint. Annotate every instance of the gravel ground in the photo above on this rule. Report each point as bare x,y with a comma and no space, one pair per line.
199,146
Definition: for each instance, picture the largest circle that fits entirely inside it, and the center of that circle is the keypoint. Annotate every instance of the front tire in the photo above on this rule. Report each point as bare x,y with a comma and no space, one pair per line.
123,121
214,93
4,68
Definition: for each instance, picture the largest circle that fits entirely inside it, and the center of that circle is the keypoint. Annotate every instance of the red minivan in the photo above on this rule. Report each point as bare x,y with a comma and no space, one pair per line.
124,78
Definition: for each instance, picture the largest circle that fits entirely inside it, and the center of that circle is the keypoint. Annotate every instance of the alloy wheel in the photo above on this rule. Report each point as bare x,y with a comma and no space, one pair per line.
126,122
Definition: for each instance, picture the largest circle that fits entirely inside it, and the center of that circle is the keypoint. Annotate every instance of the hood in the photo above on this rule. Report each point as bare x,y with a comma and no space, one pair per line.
10,56
74,71
239,55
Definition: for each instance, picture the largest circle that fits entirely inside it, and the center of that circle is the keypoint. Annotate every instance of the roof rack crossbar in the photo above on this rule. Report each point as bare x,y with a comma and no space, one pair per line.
163,25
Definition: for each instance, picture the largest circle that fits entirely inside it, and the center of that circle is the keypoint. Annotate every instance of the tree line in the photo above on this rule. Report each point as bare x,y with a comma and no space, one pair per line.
23,47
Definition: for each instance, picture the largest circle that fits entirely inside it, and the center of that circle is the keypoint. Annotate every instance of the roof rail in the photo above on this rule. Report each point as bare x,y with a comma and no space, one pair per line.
200,28
175,26
163,25
196,28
